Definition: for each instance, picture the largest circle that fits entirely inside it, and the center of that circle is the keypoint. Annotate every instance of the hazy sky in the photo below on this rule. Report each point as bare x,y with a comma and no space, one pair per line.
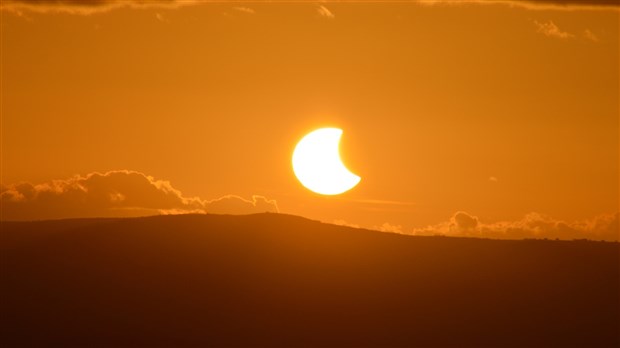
493,109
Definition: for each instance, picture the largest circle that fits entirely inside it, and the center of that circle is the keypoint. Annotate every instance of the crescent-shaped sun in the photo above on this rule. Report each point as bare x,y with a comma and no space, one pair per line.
317,163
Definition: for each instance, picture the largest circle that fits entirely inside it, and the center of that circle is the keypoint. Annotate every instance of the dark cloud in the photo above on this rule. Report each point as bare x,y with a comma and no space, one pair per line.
580,2
535,4
464,222
114,194
532,225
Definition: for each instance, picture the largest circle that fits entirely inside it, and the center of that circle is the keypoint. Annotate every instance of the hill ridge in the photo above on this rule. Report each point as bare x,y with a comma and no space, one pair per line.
283,280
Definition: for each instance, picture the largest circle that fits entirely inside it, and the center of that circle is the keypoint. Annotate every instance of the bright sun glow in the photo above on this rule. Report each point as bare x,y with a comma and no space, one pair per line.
317,163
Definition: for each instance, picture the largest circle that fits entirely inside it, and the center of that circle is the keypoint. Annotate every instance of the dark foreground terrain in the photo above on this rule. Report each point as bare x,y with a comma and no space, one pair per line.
278,280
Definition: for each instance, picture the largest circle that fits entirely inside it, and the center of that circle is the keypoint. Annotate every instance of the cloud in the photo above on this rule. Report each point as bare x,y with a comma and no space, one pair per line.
558,5
532,225
387,227
244,10
567,5
464,222
493,179
120,193
589,35
324,12
232,204
161,18
88,7
551,30
341,222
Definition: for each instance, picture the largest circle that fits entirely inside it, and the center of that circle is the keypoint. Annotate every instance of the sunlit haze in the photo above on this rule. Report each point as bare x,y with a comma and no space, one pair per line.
504,113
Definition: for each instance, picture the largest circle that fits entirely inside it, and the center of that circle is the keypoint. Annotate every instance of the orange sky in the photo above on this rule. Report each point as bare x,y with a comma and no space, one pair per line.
490,109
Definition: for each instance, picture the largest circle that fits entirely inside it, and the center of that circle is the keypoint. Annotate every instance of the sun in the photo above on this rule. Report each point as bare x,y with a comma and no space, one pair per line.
317,163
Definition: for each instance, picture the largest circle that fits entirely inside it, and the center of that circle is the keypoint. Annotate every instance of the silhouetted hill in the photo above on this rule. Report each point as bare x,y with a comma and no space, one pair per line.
279,280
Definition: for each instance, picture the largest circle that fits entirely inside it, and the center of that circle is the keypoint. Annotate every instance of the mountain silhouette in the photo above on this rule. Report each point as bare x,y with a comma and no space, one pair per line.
281,280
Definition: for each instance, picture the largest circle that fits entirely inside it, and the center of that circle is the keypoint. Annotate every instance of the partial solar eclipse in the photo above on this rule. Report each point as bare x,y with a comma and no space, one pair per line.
317,163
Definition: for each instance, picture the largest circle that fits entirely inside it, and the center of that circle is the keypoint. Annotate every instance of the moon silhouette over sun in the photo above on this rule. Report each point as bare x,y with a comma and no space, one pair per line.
318,166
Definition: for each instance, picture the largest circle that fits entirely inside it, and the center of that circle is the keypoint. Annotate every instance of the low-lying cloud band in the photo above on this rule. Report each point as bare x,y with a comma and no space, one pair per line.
119,193
532,225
